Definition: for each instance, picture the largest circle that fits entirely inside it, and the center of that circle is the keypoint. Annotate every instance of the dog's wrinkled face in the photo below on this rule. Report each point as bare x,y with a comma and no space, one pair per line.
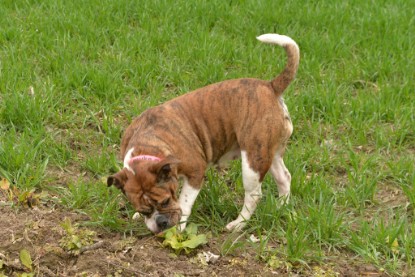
151,188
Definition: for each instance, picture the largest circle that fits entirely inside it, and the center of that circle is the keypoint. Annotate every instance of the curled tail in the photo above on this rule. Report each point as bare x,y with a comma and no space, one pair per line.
281,82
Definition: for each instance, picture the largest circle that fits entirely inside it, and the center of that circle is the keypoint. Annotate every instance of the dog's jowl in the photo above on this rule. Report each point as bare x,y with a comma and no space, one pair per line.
242,118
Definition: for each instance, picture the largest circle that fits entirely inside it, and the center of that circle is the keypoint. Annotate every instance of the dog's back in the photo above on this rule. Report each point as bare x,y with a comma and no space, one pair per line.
222,117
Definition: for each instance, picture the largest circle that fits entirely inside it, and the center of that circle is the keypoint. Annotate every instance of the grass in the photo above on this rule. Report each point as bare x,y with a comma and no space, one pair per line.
74,73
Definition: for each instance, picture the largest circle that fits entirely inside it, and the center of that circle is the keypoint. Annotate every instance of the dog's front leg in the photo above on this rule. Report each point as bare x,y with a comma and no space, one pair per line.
187,199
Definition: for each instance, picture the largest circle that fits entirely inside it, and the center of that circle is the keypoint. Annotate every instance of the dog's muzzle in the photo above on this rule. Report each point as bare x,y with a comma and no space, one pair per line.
159,222
162,222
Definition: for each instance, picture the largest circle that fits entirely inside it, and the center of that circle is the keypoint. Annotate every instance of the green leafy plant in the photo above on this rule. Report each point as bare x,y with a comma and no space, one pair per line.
275,262
186,240
26,259
74,239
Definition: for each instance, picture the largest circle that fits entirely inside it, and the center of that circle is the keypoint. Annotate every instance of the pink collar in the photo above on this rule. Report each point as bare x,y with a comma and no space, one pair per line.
144,157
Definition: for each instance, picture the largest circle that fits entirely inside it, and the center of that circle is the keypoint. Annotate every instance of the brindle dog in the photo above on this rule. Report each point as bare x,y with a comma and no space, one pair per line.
244,118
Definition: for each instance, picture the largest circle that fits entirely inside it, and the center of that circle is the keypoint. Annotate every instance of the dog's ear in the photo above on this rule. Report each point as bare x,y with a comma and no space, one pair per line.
166,169
118,179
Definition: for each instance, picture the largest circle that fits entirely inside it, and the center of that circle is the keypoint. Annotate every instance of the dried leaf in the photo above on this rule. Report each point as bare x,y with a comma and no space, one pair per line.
4,184
136,216
206,258
254,239
31,91
395,246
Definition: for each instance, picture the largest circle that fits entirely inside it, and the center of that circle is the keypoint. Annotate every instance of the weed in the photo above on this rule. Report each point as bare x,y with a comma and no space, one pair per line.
74,239
187,240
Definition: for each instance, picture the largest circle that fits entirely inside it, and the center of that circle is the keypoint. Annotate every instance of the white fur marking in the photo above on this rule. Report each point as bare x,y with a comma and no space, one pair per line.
284,107
186,200
253,194
127,158
282,176
151,222
290,126
280,40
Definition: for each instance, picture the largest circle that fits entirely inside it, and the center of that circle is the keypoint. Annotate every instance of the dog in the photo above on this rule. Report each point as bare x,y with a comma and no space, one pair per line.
240,118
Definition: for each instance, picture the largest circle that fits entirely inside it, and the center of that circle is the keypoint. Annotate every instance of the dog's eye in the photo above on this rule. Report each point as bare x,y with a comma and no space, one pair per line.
165,203
146,213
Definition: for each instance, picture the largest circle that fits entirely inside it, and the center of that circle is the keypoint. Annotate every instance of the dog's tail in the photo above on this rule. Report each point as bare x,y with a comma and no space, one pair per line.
281,82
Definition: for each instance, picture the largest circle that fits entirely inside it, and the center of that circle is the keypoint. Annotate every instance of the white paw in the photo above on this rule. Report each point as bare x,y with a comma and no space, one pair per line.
235,226
182,226
183,223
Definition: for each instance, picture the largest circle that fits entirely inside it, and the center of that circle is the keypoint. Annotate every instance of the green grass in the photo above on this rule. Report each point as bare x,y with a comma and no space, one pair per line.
74,73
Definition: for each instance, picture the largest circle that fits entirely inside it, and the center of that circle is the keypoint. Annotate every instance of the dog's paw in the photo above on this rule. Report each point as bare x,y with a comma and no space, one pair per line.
183,223
182,226
235,226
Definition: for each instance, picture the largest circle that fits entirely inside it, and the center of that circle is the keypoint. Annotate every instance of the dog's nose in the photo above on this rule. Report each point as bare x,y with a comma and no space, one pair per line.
162,222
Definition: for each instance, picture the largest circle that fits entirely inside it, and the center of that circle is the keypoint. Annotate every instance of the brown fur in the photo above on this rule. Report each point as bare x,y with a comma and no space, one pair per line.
197,129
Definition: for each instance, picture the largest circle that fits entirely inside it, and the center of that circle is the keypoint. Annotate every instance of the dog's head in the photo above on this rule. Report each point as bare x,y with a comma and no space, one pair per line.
151,188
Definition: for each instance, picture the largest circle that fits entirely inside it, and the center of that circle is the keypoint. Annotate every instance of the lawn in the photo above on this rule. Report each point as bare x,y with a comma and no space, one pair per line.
73,74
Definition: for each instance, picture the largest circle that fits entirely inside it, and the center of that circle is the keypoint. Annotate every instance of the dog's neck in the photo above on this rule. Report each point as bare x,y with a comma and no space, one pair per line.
144,157
129,159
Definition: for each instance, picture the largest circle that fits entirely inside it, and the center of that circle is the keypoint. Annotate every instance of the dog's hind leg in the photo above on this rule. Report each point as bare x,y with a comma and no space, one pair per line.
253,193
282,176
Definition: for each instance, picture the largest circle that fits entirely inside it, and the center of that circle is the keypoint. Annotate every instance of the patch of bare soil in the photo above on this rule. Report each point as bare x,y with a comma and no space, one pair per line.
39,231
391,196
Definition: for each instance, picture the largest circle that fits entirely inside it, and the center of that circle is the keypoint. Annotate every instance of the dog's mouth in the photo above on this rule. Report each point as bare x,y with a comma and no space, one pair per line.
158,222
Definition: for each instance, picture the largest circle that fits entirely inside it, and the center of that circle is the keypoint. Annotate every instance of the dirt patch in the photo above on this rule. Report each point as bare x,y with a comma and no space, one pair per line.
38,231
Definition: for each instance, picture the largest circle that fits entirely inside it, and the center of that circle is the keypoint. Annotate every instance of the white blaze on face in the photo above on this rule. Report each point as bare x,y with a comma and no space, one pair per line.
151,222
